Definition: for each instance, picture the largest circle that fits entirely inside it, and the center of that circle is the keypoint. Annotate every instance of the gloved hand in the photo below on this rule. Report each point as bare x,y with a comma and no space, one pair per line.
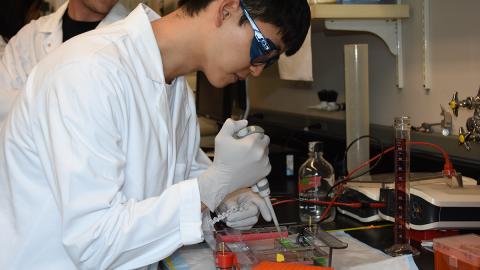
237,163
248,204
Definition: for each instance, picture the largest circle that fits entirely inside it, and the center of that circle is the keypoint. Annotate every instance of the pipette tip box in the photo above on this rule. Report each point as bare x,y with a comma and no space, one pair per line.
457,252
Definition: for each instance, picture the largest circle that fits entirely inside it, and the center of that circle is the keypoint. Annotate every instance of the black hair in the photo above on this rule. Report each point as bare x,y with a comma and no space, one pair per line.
292,17
14,14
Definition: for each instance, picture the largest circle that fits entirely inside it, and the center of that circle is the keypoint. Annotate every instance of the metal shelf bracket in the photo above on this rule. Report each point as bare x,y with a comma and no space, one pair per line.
389,30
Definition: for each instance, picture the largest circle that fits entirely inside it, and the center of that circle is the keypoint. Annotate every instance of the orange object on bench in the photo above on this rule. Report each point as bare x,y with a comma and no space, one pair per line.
287,266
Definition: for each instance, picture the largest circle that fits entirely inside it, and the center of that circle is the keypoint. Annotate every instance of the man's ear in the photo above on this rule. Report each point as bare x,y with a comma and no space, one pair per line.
225,9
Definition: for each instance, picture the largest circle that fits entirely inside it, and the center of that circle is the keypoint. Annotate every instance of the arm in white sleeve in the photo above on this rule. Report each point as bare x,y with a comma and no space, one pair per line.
201,161
83,158
199,164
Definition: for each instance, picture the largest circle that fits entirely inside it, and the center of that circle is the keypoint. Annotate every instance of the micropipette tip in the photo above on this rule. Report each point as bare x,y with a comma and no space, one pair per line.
272,213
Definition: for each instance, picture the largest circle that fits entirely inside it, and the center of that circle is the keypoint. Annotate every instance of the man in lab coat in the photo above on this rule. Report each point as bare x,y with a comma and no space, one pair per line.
100,166
40,37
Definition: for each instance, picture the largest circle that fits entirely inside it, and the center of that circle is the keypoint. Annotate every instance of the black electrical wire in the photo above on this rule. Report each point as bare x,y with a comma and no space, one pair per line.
358,175
378,141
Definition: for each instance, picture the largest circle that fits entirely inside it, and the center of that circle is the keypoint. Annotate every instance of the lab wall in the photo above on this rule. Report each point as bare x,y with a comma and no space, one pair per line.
455,65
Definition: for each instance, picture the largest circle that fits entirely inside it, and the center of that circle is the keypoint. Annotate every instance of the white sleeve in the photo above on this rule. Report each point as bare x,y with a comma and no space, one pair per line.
201,161
80,142
200,164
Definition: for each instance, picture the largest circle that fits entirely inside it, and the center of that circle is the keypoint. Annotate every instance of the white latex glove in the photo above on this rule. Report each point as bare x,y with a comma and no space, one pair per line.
238,163
249,205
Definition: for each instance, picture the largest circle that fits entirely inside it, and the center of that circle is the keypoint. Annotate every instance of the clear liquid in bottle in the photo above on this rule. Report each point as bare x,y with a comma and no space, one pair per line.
315,178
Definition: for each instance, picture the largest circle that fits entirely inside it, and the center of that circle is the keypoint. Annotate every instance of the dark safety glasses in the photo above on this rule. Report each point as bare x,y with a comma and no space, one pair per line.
262,50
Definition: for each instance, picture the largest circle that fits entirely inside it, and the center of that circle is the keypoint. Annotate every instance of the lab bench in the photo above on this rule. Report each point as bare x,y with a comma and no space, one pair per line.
290,134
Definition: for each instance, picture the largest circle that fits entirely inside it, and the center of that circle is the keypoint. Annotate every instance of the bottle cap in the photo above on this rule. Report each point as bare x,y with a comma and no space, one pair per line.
402,121
316,146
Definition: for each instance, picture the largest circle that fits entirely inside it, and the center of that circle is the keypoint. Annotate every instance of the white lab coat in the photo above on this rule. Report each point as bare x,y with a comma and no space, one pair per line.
99,157
30,45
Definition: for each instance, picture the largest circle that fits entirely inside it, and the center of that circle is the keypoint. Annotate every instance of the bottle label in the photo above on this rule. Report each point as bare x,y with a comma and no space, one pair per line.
306,183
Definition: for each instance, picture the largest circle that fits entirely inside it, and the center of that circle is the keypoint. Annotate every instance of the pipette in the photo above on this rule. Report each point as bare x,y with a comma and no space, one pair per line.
262,187
264,191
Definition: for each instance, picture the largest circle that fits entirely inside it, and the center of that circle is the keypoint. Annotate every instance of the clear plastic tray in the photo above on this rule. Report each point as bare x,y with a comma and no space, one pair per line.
294,244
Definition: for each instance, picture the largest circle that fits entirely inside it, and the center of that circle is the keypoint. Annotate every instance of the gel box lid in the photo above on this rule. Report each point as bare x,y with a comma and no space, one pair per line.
465,247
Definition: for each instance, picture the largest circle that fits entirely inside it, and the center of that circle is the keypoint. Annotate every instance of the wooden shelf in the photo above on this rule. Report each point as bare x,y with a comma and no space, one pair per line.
365,11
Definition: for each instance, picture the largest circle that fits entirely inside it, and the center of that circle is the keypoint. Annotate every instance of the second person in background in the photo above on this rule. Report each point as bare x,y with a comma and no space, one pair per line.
40,37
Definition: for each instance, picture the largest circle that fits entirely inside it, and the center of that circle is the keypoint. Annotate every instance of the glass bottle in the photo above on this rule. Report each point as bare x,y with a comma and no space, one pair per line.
315,177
